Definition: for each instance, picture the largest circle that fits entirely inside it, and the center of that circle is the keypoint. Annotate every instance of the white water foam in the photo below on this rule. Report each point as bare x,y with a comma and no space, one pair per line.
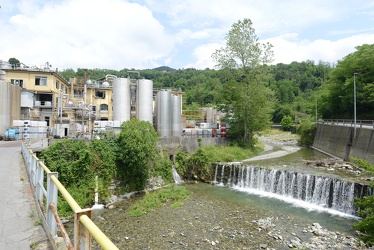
294,202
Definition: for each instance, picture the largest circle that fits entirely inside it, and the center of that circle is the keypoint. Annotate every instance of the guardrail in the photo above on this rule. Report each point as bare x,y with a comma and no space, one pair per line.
84,227
347,122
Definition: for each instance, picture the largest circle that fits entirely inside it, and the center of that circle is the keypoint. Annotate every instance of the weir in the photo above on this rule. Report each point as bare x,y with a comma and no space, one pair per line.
322,191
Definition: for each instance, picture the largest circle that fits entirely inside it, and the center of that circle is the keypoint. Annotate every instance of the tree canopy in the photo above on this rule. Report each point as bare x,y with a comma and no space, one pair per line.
136,151
246,98
356,67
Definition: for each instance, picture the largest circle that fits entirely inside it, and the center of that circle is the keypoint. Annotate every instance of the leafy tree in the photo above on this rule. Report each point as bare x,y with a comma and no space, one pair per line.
286,123
247,100
14,61
339,103
136,150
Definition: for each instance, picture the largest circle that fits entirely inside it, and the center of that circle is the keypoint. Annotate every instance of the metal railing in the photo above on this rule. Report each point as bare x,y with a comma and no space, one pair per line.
346,122
84,227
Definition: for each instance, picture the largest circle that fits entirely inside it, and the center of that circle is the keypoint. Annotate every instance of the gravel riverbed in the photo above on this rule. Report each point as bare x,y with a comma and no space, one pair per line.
207,222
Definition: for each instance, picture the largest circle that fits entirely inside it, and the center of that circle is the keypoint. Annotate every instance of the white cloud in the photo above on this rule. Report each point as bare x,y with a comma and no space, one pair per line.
289,47
120,34
203,55
111,34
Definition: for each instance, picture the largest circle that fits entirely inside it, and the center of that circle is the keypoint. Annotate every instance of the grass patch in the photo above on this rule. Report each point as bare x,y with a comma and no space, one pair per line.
361,163
156,198
229,153
177,204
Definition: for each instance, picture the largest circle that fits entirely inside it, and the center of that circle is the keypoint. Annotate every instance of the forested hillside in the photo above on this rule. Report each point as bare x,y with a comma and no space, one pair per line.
299,87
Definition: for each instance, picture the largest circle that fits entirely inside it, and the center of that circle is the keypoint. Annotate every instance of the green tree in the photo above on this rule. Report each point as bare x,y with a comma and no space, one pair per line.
136,150
286,123
247,100
14,61
339,103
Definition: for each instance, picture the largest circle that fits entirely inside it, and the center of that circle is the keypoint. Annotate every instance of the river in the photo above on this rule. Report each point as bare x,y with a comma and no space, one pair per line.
217,217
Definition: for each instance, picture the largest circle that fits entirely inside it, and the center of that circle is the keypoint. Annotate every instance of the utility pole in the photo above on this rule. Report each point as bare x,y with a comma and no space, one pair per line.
354,104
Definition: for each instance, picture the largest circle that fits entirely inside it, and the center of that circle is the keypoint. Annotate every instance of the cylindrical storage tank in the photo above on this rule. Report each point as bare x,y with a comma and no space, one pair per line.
121,99
176,115
2,75
5,101
163,113
144,100
209,115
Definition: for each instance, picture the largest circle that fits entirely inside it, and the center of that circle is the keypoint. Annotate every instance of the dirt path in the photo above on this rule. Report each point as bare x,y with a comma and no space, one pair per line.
276,146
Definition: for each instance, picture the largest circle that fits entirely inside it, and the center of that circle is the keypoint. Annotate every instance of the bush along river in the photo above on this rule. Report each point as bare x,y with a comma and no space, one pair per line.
269,203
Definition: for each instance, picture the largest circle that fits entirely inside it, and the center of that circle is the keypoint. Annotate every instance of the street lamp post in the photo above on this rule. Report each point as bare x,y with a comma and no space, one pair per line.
354,103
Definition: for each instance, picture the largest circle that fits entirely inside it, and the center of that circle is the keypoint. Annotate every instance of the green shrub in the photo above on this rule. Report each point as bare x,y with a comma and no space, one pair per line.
361,163
286,123
162,166
366,224
307,132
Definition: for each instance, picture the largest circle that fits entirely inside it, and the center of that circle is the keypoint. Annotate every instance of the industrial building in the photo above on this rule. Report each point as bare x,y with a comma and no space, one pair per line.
36,102
71,108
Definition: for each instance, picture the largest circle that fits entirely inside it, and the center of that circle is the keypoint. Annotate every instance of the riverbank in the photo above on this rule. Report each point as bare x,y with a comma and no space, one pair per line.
276,145
206,221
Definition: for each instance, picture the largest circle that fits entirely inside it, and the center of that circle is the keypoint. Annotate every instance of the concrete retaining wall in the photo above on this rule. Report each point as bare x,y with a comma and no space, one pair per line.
340,141
188,144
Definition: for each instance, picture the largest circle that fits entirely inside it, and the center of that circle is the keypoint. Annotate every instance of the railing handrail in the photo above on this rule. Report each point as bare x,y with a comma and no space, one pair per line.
348,122
86,221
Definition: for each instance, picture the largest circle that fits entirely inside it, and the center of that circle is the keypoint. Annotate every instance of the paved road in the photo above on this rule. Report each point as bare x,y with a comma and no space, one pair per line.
19,229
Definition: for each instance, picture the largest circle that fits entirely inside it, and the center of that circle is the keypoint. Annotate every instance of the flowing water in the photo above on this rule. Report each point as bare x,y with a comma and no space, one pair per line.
286,186
299,217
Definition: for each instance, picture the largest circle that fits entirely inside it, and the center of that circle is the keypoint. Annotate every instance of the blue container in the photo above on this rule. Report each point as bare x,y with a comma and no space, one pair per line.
12,134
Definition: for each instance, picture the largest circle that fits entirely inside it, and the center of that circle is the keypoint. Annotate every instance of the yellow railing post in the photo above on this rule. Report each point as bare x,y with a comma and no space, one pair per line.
82,237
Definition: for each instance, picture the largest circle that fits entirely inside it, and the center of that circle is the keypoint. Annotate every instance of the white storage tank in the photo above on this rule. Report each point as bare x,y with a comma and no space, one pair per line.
116,124
163,113
176,115
144,100
121,99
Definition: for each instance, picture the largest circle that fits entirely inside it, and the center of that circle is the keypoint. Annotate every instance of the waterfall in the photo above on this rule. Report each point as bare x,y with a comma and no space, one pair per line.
177,178
321,191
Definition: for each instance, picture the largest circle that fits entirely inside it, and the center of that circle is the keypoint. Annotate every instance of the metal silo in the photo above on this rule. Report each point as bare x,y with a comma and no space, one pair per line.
121,99
176,115
163,113
4,106
144,100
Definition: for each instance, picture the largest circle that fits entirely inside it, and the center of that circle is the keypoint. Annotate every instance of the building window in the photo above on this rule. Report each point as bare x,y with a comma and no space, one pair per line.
17,82
104,107
77,93
100,94
40,80
57,85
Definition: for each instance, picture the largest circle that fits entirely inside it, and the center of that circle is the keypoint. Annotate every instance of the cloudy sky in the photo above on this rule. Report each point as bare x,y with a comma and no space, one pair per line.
143,34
